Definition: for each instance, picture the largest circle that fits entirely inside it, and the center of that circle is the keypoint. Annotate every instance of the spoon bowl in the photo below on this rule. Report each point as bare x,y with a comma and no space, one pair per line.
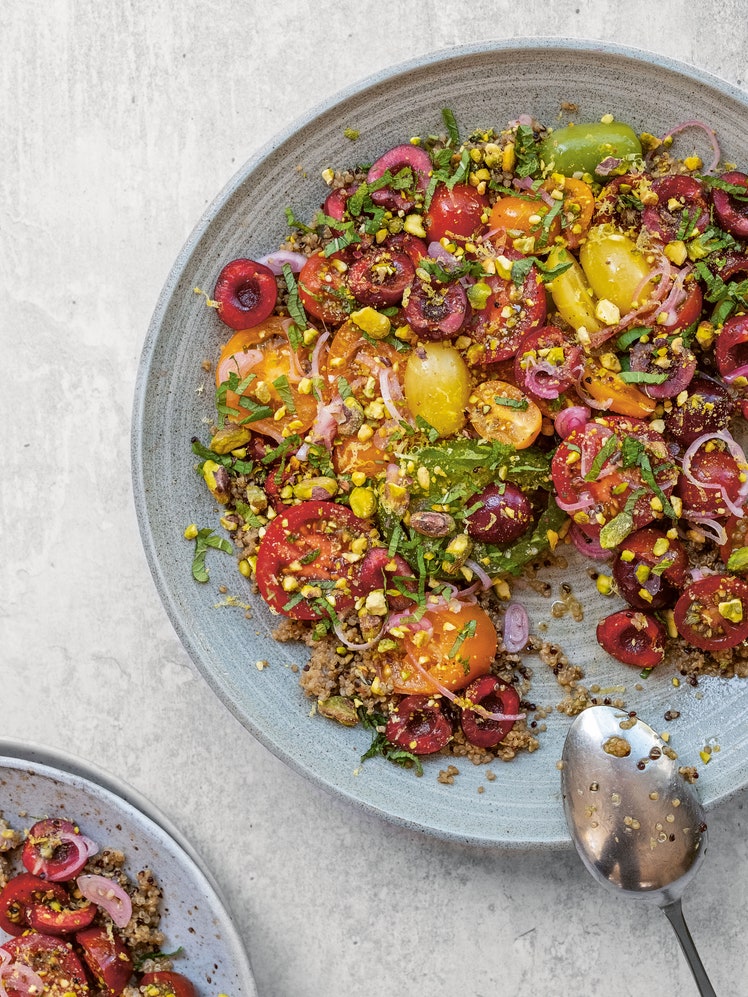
637,825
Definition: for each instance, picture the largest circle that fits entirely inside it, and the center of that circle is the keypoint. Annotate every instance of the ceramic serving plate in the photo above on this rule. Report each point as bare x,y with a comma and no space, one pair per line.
37,782
483,86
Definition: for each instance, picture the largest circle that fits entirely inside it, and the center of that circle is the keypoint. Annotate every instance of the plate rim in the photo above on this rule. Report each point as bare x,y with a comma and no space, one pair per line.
526,45
48,761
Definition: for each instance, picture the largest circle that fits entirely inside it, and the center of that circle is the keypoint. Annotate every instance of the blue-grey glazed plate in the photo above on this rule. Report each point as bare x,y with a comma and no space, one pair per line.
483,86
39,781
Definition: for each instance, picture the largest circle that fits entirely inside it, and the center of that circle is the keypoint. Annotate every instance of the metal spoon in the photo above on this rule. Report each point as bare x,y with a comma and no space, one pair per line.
636,823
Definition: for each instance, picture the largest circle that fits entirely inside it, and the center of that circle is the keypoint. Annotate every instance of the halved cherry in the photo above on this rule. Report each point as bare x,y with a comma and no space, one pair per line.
418,725
54,960
166,984
547,362
380,277
502,515
633,637
436,311
732,211
56,850
713,486
731,349
20,894
246,293
107,957
378,570
650,569
664,356
706,408
494,696
681,207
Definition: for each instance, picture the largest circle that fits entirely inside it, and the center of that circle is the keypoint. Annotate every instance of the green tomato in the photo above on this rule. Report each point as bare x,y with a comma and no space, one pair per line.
581,148
614,268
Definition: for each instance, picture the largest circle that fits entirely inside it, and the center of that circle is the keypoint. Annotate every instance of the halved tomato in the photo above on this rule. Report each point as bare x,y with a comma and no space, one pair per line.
54,960
457,645
307,561
500,411
712,613
455,213
166,984
322,288
257,377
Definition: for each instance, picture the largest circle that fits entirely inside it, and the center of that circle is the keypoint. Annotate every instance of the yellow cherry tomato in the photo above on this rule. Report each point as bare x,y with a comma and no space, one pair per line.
437,386
615,269
499,411
571,293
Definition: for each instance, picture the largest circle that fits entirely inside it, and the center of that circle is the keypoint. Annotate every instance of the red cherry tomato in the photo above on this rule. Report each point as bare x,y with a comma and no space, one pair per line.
736,529
712,613
509,314
393,574
633,637
107,957
55,850
307,546
322,288
54,960
48,920
595,484
495,697
418,725
650,569
246,293
456,214
688,311
167,984
20,894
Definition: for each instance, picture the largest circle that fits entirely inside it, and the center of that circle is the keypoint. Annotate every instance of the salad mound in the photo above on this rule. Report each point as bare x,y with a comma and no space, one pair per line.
481,354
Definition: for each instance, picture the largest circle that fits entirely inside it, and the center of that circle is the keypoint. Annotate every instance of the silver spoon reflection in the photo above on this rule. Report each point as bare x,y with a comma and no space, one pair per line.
636,823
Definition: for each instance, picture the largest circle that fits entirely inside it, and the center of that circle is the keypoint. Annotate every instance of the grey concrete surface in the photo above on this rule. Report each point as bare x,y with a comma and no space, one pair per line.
120,121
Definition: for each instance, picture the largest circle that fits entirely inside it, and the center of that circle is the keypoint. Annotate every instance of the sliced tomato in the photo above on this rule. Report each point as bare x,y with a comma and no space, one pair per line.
501,411
322,288
510,312
633,637
418,725
493,696
457,213
608,467
736,531
712,613
353,356
524,217
53,960
107,957
306,568
605,389
22,893
458,646
55,850
166,984
66,920
257,377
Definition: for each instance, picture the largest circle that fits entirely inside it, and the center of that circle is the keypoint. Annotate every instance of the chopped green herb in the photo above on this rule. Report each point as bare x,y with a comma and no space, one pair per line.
450,124
642,377
526,152
206,540
519,403
465,632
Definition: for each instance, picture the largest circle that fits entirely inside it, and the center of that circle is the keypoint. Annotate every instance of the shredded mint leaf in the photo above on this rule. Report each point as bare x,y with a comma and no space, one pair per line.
294,305
205,540
526,152
283,388
450,124
519,403
380,746
427,428
465,632
642,377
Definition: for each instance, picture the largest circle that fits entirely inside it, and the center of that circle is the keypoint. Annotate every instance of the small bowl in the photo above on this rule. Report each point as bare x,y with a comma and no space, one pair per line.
483,86
39,782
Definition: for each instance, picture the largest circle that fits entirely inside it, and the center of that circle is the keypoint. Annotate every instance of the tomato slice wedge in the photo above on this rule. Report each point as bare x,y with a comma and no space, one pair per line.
55,962
22,893
712,613
107,957
307,561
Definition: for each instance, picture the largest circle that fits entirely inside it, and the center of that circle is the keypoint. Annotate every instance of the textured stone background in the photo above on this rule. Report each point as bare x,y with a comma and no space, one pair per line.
120,121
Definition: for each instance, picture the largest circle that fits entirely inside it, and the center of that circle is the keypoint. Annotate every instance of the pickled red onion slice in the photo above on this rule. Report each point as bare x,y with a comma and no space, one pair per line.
516,627
275,261
21,979
109,895
710,133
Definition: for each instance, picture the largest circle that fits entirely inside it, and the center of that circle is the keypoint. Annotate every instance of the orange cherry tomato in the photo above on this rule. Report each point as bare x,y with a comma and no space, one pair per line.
352,454
459,648
261,360
578,207
520,218
614,395
501,411
353,356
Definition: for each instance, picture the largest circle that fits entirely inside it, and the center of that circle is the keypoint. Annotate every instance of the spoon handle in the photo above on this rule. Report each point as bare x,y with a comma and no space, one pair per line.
674,914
